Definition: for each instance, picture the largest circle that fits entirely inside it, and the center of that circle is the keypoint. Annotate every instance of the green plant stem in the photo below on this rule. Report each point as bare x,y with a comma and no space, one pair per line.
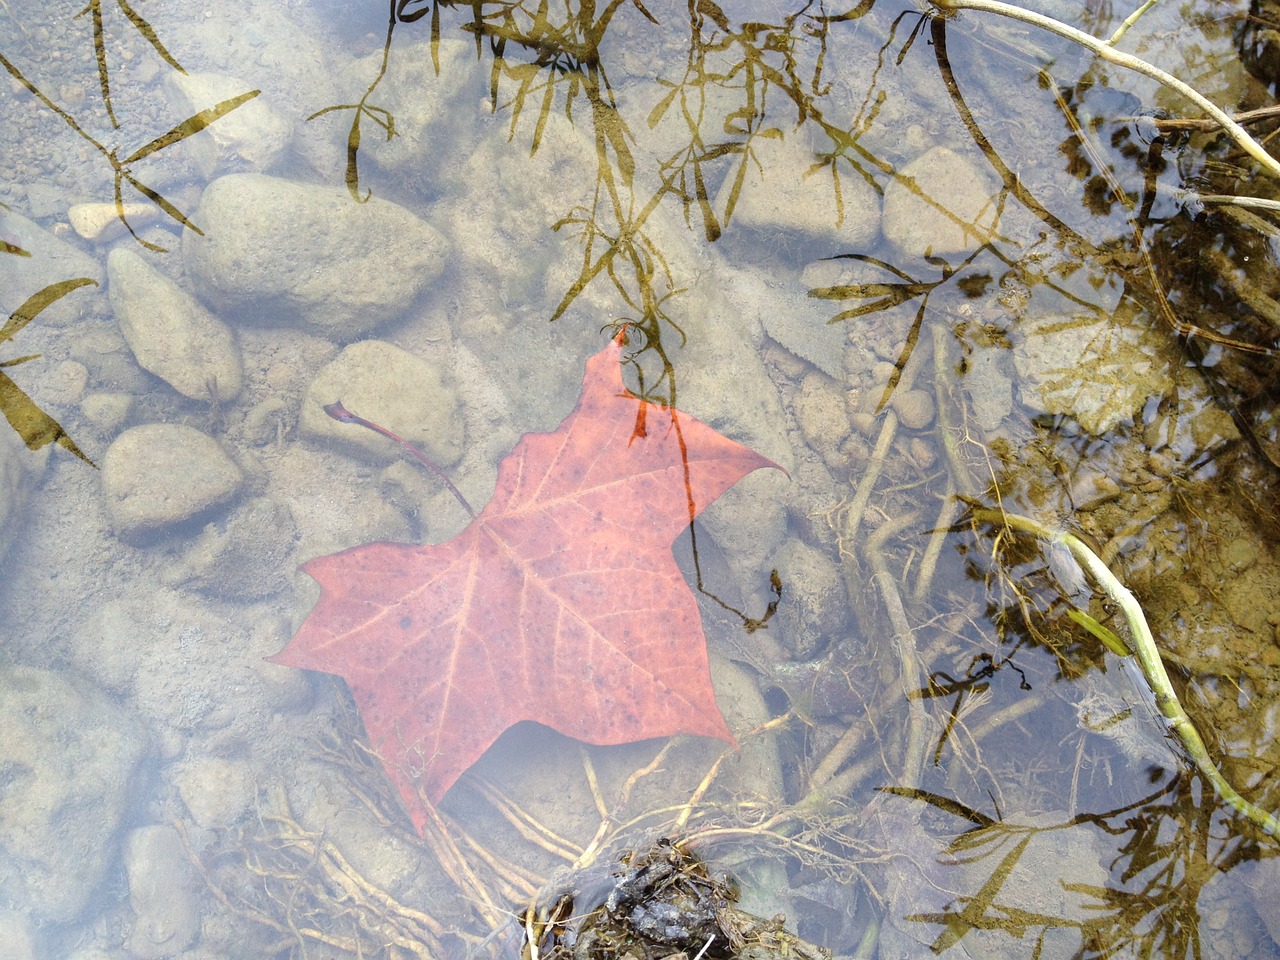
1129,62
1148,656
1130,21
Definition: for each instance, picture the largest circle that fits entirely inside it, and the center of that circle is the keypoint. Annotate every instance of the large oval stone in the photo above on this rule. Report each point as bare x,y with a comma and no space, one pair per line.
285,253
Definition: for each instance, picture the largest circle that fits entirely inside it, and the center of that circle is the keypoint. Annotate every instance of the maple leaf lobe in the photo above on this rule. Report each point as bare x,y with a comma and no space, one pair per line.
561,603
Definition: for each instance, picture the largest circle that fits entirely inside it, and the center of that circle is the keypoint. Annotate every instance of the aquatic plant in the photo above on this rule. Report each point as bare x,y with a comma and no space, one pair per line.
1146,652
122,172
139,23
36,427
1106,50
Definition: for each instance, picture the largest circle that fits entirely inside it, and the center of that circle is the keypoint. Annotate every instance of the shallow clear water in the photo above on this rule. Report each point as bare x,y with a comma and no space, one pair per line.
932,267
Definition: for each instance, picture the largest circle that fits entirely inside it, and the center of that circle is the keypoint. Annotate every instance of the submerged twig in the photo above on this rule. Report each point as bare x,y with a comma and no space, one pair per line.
905,644
853,513
1231,201
1208,124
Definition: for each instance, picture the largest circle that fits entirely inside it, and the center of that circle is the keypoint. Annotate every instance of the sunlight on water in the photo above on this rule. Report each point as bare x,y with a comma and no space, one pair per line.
942,268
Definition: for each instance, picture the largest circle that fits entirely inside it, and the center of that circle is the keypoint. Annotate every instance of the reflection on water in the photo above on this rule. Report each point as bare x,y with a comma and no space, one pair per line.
932,265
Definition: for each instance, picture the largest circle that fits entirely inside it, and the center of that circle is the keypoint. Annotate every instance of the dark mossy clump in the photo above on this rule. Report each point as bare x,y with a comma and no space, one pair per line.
658,903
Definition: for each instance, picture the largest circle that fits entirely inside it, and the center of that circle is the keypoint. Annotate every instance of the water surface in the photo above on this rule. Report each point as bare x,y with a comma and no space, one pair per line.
932,266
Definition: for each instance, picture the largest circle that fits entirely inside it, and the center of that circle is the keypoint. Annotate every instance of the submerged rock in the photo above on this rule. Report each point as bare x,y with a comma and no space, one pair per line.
393,388
820,413
161,474
69,758
915,408
504,240
279,252
162,891
251,137
1042,867
941,203
433,111
20,469
988,385
785,201
789,316
101,221
18,937
247,555
107,411
1264,889
188,665
170,334
814,602
1099,370
217,791
723,382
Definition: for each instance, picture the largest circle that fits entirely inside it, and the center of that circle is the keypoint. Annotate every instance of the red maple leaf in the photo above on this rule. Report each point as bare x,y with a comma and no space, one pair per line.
560,603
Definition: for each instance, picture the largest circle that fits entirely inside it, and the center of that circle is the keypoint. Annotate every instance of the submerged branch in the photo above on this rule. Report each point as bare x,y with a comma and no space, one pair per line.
1103,50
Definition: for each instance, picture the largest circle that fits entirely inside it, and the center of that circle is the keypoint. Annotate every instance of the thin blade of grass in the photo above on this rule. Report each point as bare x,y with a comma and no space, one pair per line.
337,106
37,302
660,110
648,16
862,311
940,802
15,361
160,202
548,101
191,126
118,189
144,28
94,9
405,15
352,174
36,428
739,178
39,95
616,132
435,37
710,225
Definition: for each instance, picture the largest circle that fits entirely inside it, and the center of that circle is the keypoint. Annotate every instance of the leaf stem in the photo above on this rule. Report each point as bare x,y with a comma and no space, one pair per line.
343,415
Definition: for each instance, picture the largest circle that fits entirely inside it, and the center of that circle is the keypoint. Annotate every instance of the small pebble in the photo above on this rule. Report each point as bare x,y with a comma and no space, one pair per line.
882,370
914,407
864,423
922,453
